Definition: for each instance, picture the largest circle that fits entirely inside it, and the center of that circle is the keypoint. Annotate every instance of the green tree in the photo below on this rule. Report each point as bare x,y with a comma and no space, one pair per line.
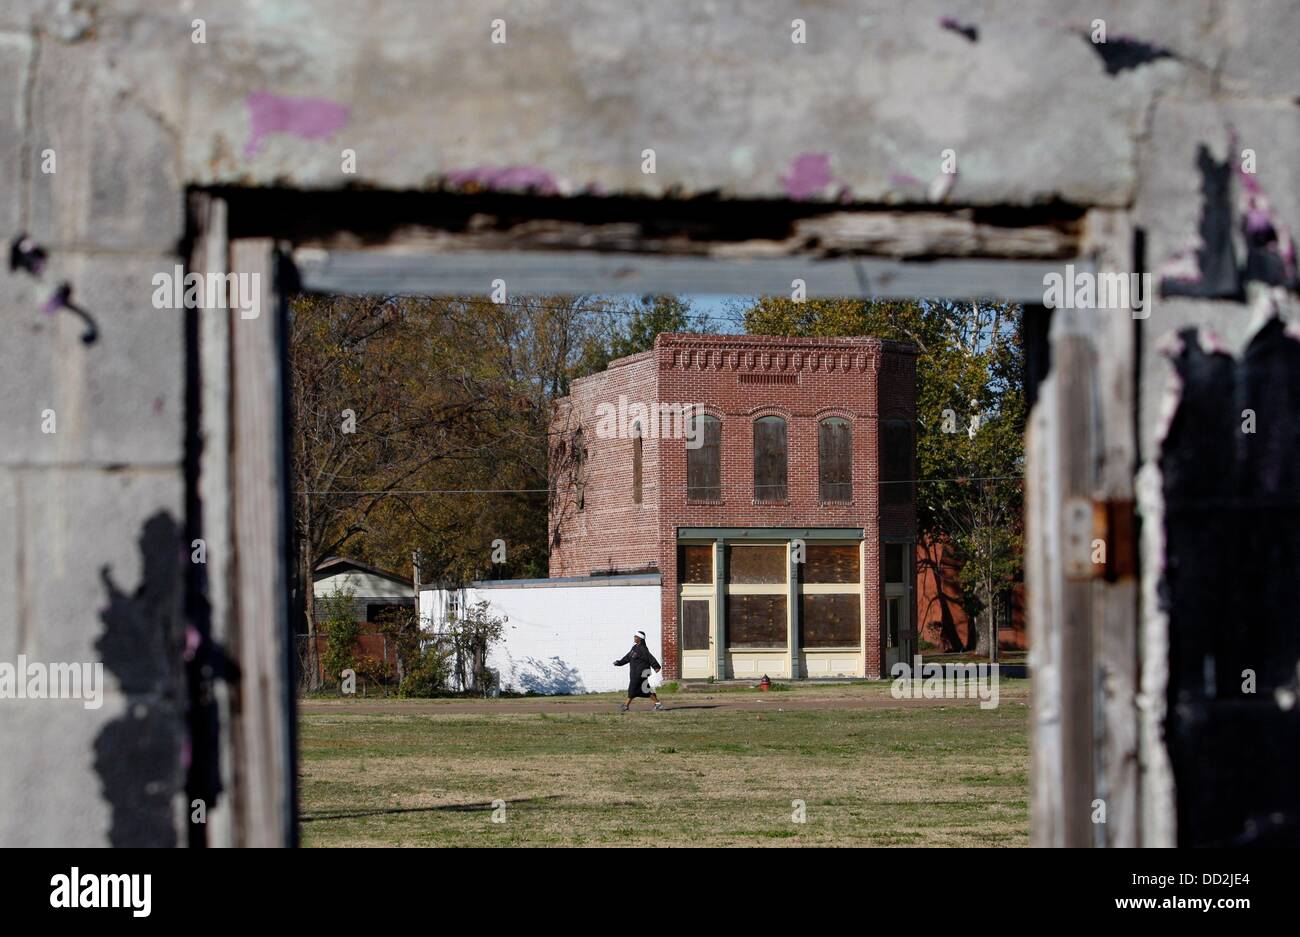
646,318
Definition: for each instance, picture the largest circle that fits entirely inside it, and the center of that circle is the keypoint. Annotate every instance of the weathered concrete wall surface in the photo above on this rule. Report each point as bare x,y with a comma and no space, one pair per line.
569,101
134,111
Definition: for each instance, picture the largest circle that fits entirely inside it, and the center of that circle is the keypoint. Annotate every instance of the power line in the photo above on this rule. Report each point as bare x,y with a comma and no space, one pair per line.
583,310
522,491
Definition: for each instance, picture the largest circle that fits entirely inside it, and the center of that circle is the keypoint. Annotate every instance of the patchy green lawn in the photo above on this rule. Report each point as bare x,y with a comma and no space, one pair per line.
892,774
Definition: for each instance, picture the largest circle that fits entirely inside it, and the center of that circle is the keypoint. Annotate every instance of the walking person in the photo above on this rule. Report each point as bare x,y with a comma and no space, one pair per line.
642,662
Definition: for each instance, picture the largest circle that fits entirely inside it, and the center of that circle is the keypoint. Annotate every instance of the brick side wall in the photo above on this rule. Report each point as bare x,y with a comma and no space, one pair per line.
609,531
897,400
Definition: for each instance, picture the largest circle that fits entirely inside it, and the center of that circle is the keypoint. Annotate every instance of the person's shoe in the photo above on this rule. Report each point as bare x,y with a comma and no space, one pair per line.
623,708
659,707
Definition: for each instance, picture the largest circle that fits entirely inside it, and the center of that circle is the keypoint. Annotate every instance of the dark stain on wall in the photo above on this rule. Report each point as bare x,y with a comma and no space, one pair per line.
1232,526
1123,53
967,30
1216,261
138,755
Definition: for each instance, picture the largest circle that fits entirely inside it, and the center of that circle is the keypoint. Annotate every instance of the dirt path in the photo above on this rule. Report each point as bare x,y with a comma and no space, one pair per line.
775,703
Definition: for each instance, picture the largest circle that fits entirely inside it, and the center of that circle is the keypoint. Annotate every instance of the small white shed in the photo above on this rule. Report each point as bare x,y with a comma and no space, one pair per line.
372,589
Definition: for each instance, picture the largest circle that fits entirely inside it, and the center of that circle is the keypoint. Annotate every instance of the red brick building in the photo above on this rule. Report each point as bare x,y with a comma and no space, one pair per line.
941,620
769,482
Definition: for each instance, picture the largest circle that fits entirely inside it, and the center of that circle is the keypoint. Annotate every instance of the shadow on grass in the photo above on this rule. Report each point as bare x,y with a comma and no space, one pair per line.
441,808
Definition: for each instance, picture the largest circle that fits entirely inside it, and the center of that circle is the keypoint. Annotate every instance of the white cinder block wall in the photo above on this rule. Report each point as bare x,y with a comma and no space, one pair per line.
563,637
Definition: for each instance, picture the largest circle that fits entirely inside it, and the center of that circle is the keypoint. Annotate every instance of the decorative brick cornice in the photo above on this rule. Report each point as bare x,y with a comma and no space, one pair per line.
761,354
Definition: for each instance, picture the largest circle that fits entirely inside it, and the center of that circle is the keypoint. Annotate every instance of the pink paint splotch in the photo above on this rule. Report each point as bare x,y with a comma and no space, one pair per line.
808,176
308,118
504,179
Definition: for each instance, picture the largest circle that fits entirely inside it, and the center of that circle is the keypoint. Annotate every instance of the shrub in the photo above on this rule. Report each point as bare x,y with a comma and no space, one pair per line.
401,626
428,673
341,630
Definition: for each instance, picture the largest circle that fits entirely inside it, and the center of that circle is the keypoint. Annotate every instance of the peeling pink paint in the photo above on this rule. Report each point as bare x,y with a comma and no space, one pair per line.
1259,221
308,118
808,176
1185,264
504,178
904,179
1169,346
1212,342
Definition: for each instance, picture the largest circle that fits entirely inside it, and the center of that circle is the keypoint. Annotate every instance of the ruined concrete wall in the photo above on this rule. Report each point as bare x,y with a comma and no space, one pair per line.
134,110
92,486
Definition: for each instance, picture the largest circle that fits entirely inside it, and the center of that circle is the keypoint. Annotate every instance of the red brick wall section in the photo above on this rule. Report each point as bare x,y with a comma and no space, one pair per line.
610,531
370,644
942,622
832,377
897,401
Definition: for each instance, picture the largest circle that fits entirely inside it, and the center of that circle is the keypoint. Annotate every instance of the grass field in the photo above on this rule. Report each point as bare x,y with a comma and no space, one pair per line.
883,774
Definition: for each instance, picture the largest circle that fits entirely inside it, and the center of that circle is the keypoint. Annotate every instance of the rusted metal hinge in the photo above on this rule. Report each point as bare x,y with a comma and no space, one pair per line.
1100,539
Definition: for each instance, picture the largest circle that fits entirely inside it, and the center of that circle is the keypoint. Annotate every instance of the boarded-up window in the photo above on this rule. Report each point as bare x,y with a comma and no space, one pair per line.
696,565
756,621
896,462
830,564
757,565
704,463
695,626
769,459
832,620
893,562
636,465
835,459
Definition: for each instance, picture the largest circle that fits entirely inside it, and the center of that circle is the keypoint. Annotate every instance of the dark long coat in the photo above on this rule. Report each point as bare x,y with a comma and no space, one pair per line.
643,662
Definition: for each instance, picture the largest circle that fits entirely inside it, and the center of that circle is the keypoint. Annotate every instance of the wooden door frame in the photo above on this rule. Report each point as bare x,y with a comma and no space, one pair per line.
438,243
245,518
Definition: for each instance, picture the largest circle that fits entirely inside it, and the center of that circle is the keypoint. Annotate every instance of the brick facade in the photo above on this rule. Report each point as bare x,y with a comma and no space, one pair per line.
596,526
